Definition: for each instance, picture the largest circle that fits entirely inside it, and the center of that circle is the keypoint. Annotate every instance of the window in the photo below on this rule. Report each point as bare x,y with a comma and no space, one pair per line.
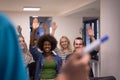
42,20
94,23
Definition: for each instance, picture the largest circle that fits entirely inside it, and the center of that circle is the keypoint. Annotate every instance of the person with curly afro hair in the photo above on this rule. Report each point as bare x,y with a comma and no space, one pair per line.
47,63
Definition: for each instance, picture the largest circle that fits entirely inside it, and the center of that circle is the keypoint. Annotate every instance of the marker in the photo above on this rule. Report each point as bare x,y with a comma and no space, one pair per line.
95,44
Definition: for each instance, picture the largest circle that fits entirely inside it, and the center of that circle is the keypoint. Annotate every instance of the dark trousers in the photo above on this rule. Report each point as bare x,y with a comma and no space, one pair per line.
91,75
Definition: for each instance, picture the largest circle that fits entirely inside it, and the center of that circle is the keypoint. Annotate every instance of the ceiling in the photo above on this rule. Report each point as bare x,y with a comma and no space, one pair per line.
55,7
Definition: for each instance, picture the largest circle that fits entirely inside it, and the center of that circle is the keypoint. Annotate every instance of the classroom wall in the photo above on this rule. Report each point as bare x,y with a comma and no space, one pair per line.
110,51
65,25
110,22
68,27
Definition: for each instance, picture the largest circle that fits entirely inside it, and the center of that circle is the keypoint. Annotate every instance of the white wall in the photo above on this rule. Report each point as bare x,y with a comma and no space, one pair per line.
110,22
65,25
110,51
68,27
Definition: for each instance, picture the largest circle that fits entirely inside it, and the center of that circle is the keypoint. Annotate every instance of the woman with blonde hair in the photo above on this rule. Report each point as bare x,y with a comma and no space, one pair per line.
28,59
65,44
65,48
27,56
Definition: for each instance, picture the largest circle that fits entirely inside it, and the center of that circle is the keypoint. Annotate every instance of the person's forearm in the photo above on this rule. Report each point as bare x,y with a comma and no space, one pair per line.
53,32
32,36
45,32
93,39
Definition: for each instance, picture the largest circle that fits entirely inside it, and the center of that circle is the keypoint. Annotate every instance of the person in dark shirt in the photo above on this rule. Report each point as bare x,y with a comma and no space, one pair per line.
76,67
78,43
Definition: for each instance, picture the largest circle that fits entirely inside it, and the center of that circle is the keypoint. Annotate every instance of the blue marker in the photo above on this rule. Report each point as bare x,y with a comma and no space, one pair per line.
95,44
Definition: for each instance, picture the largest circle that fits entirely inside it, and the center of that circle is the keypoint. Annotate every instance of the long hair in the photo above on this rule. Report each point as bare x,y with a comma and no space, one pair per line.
25,50
69,44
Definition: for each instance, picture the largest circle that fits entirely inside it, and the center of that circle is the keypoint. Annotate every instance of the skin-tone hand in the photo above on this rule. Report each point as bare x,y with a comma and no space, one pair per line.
76,68
19,29
54,26
35,23
90,31
44,28
91,34
35,26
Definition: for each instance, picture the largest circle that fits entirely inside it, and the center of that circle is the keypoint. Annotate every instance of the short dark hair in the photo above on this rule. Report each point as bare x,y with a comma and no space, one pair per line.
79,38
48,38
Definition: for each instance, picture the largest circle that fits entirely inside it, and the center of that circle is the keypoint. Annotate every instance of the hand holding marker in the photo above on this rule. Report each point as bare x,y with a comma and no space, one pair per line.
95,44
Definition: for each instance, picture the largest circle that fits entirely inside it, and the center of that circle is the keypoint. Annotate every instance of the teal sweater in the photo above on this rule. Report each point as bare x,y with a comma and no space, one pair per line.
11,60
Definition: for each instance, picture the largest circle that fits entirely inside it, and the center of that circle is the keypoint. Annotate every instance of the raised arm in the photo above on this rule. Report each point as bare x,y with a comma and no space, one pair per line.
44,28
33,50
19,29
91,35
54,26
35,26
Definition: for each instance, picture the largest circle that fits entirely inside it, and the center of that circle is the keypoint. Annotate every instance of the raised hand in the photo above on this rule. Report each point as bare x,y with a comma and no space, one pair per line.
54,26
19,29
35,26
35,23
91,35
44,28
90,31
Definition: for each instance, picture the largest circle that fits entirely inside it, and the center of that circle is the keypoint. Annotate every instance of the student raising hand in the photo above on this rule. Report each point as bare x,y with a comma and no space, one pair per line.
35,23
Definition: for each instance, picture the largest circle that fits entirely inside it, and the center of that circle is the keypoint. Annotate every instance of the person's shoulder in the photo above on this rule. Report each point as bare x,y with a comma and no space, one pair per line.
68,55
94,52
56,56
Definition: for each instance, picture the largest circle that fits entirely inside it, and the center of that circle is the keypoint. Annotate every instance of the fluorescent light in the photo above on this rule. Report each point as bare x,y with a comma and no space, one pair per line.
34,16
31,9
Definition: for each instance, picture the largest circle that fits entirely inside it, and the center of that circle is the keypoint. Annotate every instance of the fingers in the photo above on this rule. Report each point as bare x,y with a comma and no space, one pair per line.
35,23
76,67
90,31
54,26
19,28
35,20
44,27
85,59
54,23
76,57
